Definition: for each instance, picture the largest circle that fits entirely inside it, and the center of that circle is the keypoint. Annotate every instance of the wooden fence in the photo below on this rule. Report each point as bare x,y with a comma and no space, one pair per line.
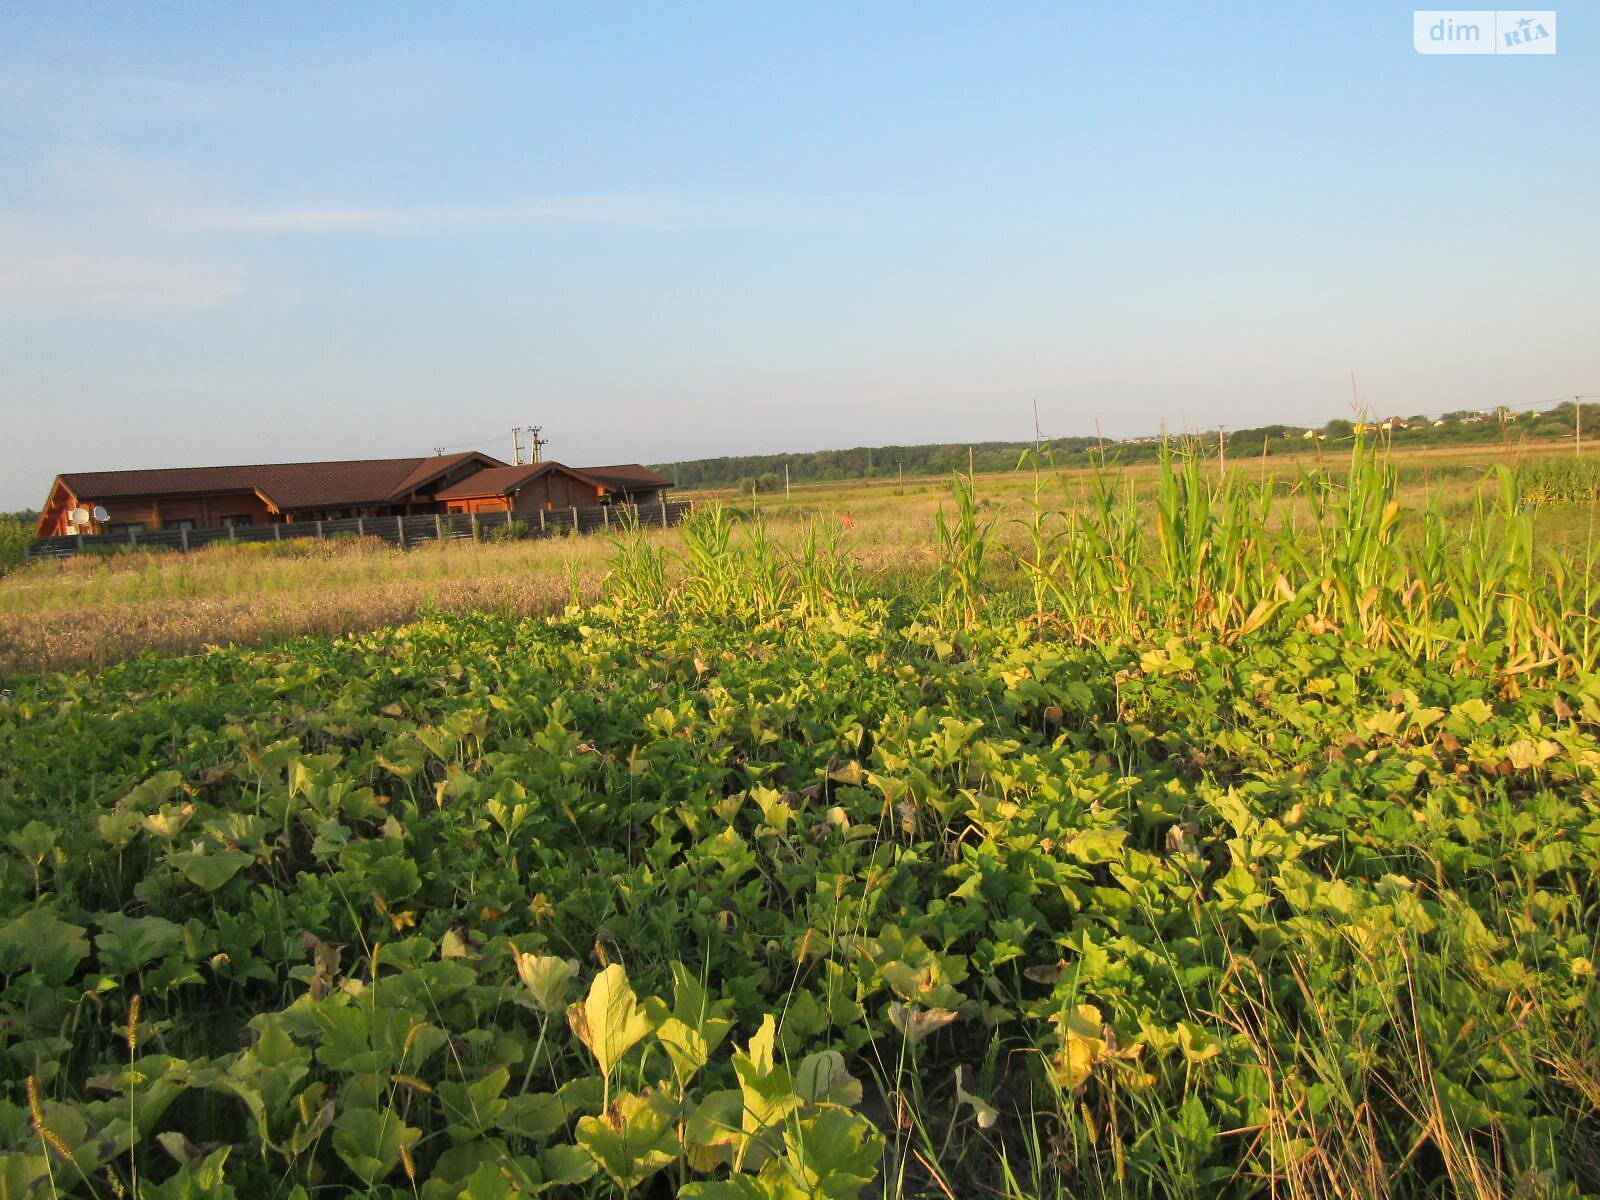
397,531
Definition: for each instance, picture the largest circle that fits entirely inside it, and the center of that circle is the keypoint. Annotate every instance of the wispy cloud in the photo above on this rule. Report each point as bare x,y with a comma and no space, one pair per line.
641,210
40,275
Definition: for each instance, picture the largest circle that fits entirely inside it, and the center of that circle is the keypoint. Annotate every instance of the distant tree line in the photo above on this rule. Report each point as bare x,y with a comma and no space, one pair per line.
765,472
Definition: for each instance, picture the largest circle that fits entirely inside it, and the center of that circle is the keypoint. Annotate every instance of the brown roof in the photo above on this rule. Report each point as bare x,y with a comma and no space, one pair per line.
627,477
286,485
501,481
429,468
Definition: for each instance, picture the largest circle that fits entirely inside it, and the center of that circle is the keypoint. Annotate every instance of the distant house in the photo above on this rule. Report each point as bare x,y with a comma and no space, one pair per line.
528,488
210,497
630,483
551,485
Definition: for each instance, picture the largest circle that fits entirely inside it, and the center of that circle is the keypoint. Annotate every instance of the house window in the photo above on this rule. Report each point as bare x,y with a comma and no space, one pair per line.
243,519
130,527
181,523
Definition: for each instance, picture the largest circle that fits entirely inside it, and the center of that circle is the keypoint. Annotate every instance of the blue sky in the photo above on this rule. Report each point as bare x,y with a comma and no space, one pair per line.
236,233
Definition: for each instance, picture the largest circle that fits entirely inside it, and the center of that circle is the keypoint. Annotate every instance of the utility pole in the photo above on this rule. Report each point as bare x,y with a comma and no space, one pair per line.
536,444
787,494
516,446
1222,451
901,464
1577,425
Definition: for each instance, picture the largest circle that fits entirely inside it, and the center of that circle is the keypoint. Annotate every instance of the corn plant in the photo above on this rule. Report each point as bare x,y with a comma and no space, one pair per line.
963,543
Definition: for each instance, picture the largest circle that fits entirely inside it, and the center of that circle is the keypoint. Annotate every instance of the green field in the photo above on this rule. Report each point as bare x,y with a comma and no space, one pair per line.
1172,834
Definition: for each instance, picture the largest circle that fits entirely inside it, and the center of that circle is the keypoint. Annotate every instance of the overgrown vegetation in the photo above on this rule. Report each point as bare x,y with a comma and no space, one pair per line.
15,538
1249,850
1560,481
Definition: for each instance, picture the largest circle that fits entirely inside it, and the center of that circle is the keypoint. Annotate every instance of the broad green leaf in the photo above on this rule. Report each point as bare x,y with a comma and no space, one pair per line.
532,1115
566,1166
370,1141
695,1028
822,1078
1197,1045
833,1154
33,841
210,869
684,1046
42,942
128,943
735,1187
119,826
488,1182
714,1133
202,1180
634,1139
160,787
472,1109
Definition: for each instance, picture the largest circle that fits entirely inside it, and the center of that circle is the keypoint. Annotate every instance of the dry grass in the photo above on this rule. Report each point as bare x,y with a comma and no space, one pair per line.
91,612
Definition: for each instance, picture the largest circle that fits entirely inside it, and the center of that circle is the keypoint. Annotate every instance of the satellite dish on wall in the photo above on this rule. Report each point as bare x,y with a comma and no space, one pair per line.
101,514
78,516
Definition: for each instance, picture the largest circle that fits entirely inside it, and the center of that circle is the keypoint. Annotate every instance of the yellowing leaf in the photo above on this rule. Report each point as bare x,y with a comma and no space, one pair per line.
609,1021
767,1088
1197,1045
1527,754
1474,710
546,979
987,1115
917,1023
850,774
1082,1046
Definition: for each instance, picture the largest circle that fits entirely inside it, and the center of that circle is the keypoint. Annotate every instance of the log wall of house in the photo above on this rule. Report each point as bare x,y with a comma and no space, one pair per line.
152,513
555,490
479,504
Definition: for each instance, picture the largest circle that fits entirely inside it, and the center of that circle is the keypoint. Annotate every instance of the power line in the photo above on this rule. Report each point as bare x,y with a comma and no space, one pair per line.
473,444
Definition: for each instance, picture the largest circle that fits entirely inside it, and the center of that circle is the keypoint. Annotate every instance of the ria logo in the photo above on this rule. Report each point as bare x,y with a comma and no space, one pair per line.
1483,31
1528,30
